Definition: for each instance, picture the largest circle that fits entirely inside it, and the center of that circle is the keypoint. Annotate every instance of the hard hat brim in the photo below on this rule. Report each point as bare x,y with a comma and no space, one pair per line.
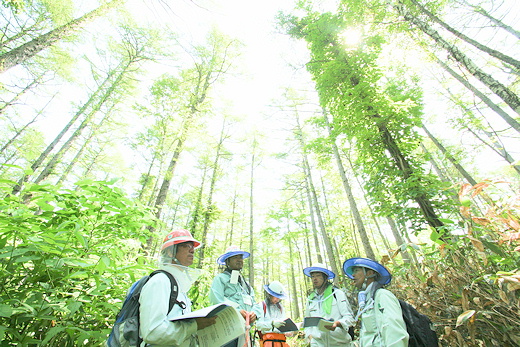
307,271
280,296
222,259
350,264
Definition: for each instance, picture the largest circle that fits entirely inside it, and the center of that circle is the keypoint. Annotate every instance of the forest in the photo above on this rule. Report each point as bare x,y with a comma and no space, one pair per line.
300,131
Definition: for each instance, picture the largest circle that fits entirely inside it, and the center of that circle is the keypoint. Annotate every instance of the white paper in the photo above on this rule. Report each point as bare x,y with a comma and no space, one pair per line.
228,326
234,277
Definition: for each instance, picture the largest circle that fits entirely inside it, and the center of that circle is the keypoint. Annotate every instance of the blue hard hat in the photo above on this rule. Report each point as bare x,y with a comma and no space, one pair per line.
319,267
230,252
350,264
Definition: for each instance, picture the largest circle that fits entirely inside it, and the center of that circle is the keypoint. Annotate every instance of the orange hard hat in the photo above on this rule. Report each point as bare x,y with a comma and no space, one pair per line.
179,236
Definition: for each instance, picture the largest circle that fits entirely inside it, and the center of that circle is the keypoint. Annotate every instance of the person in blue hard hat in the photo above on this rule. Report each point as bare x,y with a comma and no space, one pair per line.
381,317
231,288
331,304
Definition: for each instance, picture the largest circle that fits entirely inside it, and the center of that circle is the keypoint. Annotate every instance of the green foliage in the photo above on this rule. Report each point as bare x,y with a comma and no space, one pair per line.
66,259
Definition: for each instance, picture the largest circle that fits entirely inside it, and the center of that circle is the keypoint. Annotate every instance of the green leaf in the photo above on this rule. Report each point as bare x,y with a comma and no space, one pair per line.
51,333
5,310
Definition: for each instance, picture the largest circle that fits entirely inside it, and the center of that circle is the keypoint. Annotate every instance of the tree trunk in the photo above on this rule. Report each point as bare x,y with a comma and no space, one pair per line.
37,163
498,88
314,228
315,201
251,215
348,190
448,156
494,53
29,49
34,82
402,163
494,20
86,122
208,214
509,120
296,312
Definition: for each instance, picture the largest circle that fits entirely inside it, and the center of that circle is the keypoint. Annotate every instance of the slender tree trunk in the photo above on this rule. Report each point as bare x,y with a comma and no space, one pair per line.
193,224
398,239
509,97
296,312
313,221
494,53
37,163
208,214
498,22
86,122
315,201
29,49
34,82
402,163
348,190
509,120
251,219
455,163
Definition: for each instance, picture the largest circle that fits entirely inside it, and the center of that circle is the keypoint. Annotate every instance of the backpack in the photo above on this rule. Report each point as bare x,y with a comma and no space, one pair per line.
125,332
418,326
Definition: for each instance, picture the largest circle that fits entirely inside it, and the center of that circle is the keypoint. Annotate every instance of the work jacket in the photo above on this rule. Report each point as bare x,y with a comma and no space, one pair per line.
269,314
155,326
382,323
340,311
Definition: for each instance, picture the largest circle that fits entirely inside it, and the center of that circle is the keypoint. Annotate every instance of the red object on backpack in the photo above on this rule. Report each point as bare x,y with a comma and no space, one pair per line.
272,340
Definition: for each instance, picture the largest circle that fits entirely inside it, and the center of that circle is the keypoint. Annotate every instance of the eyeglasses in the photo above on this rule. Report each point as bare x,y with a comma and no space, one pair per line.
188,245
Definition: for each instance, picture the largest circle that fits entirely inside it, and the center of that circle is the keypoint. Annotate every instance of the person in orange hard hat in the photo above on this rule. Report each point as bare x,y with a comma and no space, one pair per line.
156,329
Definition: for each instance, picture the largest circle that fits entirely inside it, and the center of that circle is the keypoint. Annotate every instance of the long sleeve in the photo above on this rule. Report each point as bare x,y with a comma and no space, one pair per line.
155,326
346,317
388,316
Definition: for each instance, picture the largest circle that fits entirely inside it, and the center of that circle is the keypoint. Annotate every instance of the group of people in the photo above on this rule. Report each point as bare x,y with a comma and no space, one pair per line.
379,310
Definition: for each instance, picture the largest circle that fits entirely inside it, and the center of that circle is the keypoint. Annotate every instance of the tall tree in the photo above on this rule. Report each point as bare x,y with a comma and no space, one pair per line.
348,190
505,93
379,122
29,49
492,52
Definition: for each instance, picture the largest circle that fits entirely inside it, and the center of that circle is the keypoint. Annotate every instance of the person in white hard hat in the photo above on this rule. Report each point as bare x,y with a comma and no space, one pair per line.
156,329
272,316
331,304
272,312
231,288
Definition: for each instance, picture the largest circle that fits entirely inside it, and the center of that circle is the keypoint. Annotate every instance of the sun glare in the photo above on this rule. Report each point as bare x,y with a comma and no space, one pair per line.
351,37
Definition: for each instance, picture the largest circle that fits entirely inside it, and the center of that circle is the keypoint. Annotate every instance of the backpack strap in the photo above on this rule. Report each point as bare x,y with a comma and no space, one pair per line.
265,306
174,293
174,290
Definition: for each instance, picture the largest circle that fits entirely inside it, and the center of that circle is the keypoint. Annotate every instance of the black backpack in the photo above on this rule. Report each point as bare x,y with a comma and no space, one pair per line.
125,332
418,326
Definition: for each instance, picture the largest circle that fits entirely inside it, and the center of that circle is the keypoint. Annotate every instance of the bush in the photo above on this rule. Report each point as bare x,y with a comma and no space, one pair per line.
66,259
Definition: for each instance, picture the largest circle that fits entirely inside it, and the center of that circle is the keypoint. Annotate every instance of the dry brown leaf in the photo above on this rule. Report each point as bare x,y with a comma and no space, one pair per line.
464,211
477,244
503,296
477,188
464,189
464,316
476,300
481,221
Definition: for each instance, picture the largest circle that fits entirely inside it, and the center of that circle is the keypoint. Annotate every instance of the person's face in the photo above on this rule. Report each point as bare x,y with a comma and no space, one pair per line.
317,278
274,300
235,262
185,253
360,276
